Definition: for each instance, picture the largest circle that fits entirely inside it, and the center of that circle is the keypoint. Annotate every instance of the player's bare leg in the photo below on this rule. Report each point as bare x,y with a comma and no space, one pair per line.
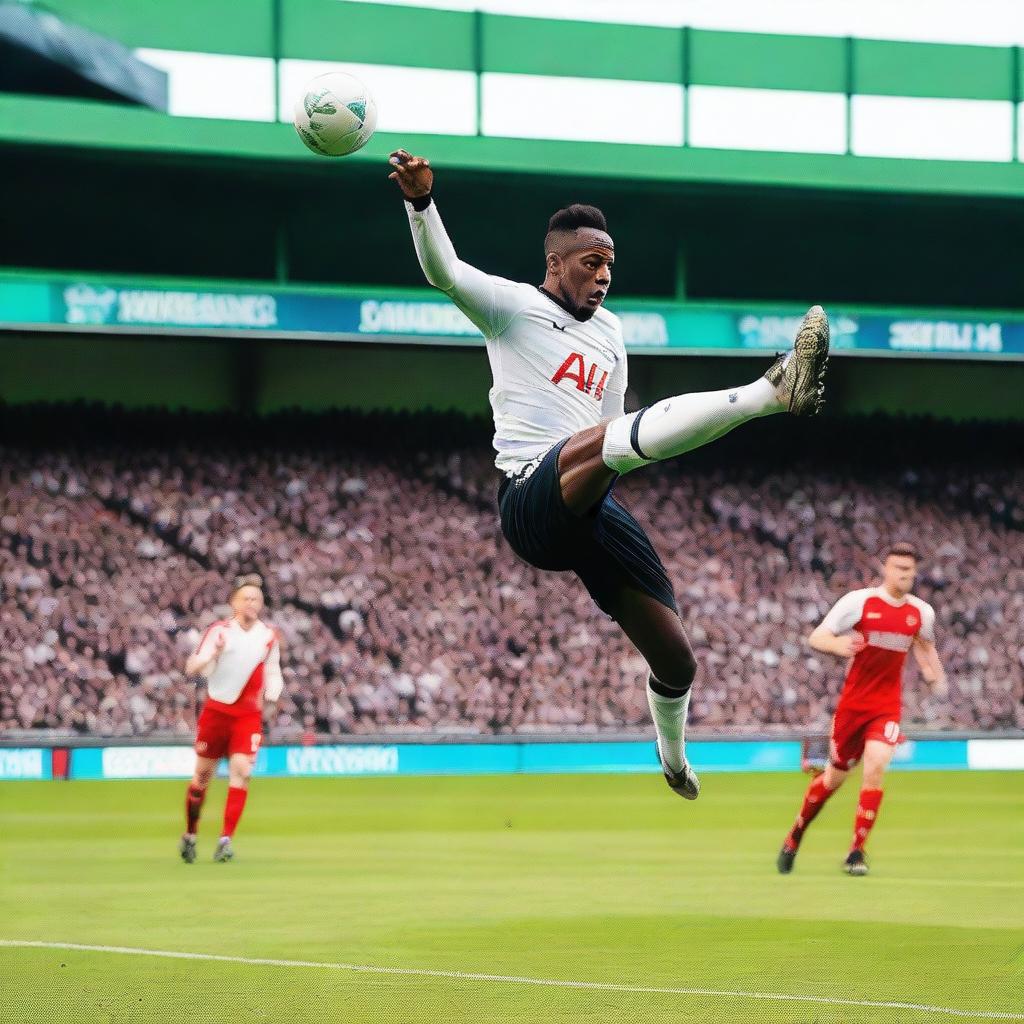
654,628
582,474
877,756
658,634
820,789
239,770
794,383
196,794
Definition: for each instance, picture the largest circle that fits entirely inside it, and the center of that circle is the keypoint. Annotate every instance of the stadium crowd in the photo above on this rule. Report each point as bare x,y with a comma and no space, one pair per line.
403,610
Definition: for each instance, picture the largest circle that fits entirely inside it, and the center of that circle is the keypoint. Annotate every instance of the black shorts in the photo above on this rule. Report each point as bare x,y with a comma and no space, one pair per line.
607,548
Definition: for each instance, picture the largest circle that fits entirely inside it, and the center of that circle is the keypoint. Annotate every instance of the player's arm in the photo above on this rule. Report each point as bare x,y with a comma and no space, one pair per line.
203,662
927,657
273,680
845,645
926,654
836,635
484,299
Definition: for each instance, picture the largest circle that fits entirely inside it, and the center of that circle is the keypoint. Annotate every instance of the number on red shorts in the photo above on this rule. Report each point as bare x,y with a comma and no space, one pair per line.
891,731
257,737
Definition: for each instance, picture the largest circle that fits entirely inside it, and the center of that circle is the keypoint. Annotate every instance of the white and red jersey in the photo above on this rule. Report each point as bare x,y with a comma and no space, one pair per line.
553,375
889,627
247,669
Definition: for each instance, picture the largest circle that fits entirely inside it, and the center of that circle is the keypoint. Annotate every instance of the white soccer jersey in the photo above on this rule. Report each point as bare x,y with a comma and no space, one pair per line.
553,374
245,652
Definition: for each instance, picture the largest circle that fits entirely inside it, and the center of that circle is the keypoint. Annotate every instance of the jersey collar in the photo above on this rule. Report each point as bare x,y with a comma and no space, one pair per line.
562,304
889,599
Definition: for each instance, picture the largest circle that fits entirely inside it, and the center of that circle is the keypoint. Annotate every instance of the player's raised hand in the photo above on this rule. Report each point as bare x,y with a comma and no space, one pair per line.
221,641
412,173
850,645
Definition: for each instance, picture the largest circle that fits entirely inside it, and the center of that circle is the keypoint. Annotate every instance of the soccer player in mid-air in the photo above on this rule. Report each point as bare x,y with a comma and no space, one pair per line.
563,437
240,658
874,627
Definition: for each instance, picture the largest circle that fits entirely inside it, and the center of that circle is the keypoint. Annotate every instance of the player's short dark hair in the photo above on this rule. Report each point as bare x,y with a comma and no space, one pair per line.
904,549
250,579
578,215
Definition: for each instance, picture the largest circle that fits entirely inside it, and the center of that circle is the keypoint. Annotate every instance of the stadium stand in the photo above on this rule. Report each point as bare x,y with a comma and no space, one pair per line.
402,610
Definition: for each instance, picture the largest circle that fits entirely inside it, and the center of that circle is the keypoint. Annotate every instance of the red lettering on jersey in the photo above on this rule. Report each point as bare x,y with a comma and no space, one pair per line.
566,370
573,369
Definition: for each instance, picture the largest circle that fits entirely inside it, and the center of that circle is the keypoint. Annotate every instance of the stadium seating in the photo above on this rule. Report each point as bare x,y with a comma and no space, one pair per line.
403,611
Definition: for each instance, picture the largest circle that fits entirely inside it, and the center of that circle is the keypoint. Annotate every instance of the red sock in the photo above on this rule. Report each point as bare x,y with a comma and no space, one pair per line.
867,814
233,809
814,799
194,798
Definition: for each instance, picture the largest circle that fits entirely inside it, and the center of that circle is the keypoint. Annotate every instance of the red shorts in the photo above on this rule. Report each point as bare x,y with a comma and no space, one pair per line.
852,729
220,735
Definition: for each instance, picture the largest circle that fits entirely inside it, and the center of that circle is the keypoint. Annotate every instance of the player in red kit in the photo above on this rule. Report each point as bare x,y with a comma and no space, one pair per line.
875,627
241,661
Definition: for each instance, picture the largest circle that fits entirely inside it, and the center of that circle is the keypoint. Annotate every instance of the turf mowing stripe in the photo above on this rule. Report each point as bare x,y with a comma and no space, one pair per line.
511,979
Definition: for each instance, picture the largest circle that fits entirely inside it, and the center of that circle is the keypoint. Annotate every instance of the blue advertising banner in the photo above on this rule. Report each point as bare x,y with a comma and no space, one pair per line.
147,762
376,759
425,317
706,756
931,754
501,758
25,763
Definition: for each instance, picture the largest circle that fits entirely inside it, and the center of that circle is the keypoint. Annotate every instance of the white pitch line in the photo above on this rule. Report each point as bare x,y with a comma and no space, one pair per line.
512,979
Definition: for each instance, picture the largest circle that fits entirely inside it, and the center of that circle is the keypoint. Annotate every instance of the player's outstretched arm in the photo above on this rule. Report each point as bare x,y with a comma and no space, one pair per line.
487,301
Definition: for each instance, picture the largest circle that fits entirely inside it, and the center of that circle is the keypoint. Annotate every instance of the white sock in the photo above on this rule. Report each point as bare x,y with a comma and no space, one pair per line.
669,714
677,425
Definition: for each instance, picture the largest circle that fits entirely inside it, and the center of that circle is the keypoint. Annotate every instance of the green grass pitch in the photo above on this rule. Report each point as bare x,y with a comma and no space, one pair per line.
599,880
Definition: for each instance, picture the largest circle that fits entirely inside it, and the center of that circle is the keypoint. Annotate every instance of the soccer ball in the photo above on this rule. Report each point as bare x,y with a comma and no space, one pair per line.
335,115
